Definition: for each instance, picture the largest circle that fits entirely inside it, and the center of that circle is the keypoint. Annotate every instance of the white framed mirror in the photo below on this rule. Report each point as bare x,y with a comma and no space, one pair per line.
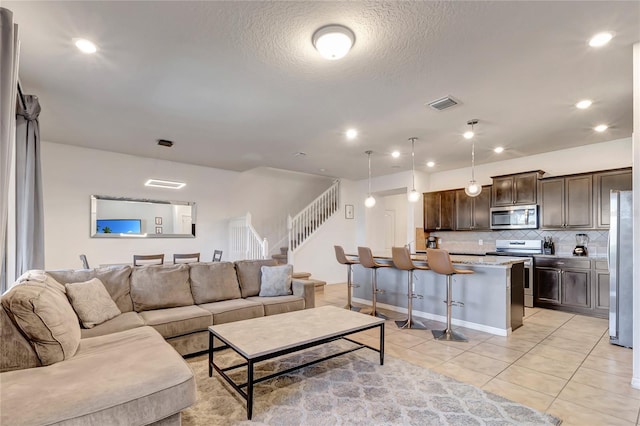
121,217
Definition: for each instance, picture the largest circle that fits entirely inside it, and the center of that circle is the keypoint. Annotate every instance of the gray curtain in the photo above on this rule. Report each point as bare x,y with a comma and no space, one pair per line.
29,209
8,85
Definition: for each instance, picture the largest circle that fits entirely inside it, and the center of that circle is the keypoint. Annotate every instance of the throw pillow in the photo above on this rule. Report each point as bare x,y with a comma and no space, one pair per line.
92,303
46,318
160,286
276,280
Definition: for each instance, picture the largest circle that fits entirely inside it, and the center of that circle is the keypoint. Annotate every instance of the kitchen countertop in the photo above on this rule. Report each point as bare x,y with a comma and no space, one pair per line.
472,260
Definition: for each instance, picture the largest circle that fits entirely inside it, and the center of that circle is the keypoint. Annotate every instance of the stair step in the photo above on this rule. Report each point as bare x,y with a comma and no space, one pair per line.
284,250
282,259
301,275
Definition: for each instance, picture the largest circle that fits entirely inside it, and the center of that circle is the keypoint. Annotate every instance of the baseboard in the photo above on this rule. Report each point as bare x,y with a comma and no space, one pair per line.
441,318
635,382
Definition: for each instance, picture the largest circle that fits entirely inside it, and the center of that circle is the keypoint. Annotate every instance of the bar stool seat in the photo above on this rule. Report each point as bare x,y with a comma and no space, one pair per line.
402,260
440,262
344,260
366,260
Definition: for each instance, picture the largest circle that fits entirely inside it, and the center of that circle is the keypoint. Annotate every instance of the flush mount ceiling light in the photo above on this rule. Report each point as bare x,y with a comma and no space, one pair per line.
395,154
473,189
159,183
370,201
498,149
413,195
85,45
584,104
333,41
351,134
431,164
600,39
601,128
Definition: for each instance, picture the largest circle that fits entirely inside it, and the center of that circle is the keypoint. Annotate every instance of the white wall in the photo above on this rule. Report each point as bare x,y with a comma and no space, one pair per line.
635,381
71,174
599,156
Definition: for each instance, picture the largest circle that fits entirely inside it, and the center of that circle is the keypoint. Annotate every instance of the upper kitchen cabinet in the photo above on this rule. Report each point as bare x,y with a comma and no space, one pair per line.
517,189
439,210
603,183
566,202
472,213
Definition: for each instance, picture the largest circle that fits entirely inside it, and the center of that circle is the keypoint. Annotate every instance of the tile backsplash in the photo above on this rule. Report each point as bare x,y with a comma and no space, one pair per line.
565,241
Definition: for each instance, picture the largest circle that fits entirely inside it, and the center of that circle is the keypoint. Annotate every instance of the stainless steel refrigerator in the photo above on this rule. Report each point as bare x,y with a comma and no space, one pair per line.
621,269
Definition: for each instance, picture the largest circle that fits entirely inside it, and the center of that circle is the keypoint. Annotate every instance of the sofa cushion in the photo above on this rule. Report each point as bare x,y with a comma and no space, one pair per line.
249,275
160,286
44,315
116,279
92,302
279,304
133,377
122,322
233,310
15,350
213,281
275,280
172,322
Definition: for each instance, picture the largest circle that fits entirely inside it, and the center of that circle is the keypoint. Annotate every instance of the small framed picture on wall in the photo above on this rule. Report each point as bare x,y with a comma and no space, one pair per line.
158,229
159,221
348,211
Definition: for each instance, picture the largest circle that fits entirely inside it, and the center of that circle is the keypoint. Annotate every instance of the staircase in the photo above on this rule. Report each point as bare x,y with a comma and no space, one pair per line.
244,241
303,225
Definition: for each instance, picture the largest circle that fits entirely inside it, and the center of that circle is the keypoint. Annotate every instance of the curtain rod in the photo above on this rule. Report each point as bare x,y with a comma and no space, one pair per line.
21,96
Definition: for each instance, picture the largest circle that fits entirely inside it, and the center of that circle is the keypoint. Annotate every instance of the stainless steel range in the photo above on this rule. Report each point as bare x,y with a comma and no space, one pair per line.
521,248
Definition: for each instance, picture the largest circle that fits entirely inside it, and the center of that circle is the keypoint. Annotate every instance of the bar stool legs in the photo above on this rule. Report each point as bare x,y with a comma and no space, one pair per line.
374,292
350,286
410,322
449,334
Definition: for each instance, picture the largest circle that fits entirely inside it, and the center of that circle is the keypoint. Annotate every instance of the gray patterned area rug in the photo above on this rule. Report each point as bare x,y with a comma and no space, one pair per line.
352,389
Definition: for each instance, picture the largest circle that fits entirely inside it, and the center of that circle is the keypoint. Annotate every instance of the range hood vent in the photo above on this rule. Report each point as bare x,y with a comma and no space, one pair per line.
443,103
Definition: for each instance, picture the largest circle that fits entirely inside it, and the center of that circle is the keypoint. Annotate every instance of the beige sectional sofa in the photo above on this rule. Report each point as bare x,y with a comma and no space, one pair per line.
122,371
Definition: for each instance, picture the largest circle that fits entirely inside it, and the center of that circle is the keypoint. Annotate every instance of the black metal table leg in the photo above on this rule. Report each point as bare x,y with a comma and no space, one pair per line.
382,344
210,354
249,389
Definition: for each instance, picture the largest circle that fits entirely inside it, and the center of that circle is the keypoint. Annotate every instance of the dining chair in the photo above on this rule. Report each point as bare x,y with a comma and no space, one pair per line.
217,255
186,257
85,264
148,259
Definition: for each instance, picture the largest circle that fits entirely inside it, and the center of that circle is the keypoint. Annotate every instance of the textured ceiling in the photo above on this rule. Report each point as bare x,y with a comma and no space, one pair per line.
238,84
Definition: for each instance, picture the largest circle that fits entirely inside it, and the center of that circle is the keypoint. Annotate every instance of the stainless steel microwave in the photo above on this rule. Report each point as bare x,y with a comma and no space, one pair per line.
514,217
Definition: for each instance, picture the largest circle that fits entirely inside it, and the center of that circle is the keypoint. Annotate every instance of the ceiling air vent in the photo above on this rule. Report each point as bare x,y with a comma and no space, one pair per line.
166,143
443,103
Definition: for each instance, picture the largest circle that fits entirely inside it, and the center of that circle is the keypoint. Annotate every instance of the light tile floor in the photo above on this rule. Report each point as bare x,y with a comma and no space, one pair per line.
557,362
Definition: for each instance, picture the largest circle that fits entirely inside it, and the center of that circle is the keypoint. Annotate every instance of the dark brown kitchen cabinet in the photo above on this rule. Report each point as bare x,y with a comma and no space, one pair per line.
565,284
603,183
601,287
519,189
566,202
439,210
472,213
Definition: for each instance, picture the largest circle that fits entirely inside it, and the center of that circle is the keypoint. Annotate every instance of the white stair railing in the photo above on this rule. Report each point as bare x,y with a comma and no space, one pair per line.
305,223
244,241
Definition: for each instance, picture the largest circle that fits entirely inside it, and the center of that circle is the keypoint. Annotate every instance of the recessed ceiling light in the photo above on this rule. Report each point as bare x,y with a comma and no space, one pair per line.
85,46
159,183
333,41
600,39
351,133
584,104
431,164
323,170
498,149
601,128
468,134
395,154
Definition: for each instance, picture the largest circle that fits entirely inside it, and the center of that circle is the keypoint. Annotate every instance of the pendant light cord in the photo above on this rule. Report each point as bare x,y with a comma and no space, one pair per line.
473,156
413,164
369,154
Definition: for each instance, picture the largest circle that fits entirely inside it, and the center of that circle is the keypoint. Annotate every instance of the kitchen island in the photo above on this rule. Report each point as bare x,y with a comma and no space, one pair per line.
493,295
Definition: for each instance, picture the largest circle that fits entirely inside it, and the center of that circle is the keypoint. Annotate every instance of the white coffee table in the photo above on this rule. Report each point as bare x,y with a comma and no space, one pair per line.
264,338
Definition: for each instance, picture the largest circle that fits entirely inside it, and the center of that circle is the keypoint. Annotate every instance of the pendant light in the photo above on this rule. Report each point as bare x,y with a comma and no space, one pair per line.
370,201
413,195
472,189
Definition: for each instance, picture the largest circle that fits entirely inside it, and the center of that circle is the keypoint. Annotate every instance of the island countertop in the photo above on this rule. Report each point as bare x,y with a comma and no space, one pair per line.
471,260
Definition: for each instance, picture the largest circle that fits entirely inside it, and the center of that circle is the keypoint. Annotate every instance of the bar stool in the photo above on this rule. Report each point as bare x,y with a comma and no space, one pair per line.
440,263
402,260
367,261
344,260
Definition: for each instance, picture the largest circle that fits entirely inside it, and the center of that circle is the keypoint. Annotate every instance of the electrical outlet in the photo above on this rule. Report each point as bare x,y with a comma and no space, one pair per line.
439,241
480,242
